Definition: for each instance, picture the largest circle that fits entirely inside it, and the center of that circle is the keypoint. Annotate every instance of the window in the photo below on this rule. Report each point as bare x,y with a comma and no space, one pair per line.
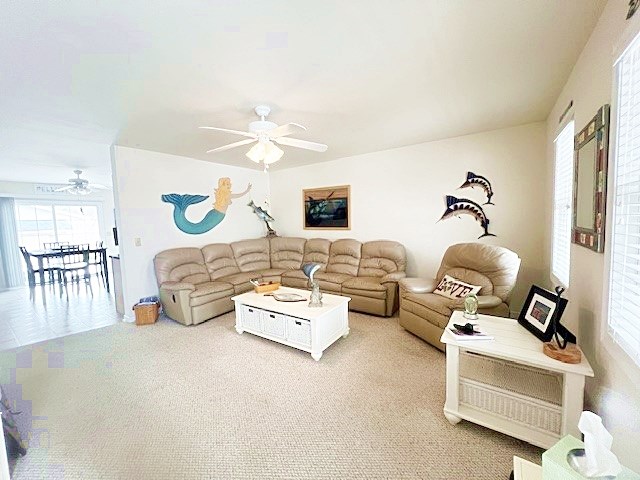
40,223
623,307
562,199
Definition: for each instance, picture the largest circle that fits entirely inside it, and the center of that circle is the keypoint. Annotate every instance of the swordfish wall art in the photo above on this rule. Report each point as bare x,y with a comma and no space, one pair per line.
455,207
223,197
478,181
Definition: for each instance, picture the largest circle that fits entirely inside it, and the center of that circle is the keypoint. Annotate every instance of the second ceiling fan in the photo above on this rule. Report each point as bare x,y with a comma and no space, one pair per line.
265,133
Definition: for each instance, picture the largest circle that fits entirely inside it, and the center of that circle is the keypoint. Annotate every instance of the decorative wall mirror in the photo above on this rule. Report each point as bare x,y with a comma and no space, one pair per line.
591,147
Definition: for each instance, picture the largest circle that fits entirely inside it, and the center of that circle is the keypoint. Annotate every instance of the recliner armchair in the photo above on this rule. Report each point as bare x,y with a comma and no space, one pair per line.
494,268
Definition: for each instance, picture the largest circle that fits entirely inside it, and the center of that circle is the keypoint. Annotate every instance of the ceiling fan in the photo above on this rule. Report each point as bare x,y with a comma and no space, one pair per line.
265,133
80,186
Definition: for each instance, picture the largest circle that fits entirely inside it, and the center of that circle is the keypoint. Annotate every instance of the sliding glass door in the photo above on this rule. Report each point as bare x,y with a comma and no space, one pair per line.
41,222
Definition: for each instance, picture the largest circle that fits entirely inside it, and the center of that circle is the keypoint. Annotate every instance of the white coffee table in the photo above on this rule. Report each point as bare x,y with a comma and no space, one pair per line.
509,385
294,324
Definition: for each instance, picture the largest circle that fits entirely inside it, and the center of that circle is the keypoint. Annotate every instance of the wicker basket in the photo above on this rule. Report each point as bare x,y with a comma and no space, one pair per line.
146,314
266,287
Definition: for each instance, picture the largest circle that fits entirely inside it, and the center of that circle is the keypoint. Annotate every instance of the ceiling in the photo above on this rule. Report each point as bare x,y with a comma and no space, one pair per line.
362,75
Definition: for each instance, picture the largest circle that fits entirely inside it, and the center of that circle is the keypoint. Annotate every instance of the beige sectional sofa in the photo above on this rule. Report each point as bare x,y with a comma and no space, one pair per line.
197,284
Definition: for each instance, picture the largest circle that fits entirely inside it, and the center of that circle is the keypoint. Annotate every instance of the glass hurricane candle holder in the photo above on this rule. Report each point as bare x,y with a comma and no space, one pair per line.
471,307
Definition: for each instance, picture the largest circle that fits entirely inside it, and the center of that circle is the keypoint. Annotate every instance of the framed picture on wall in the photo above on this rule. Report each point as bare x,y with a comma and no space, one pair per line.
327,208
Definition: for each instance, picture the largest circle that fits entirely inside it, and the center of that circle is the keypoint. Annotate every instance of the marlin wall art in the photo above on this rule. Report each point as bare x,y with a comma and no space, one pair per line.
464,206
479,181
213,217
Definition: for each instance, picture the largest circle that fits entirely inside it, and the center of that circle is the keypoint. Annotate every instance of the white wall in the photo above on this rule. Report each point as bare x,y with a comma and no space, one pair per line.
399,195
141,177
614,393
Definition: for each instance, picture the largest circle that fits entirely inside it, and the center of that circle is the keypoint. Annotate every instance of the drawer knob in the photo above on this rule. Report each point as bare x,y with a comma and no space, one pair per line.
272,315
298,323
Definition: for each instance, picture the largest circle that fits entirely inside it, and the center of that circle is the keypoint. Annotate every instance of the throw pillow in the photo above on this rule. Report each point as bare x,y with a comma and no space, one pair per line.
450,287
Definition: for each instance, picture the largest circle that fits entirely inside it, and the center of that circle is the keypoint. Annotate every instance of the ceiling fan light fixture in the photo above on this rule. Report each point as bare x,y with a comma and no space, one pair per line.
257,152
79,190
273,154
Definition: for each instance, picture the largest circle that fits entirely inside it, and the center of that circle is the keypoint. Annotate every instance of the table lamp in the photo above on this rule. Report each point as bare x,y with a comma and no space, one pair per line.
315,300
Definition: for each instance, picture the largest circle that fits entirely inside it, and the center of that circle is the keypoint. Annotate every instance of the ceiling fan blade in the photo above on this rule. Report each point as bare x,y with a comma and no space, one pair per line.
64,189
237,132
293,142
284,130
233,145
98,186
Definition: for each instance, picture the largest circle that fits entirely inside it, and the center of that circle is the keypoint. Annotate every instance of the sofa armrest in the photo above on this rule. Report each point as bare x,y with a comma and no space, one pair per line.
393,277
418,285
177,286
489,301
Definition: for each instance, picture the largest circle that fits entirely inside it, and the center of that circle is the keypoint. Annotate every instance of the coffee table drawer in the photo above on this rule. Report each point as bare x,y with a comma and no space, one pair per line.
274,324
251,318
299,331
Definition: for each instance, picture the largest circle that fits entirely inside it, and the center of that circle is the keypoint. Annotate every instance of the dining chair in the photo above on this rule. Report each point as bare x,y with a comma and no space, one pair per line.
95,259
53,271
74,260
53,245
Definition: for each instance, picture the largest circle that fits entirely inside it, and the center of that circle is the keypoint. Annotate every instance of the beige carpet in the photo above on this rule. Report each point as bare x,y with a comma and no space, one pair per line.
173,402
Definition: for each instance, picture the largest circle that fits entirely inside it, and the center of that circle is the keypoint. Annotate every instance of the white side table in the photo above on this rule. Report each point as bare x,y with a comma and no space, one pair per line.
525,470
509,385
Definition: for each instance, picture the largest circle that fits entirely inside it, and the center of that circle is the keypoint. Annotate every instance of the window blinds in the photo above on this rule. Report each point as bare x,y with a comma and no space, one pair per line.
624,275
562,199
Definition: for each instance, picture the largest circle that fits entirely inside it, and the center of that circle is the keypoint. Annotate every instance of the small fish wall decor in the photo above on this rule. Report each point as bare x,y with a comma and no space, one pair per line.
478,181
464,206
264,216
223,197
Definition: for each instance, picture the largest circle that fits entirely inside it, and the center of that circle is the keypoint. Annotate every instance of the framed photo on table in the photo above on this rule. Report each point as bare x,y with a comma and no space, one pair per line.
538,310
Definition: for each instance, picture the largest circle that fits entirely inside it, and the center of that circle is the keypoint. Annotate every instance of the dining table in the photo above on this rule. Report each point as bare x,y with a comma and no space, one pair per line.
41,255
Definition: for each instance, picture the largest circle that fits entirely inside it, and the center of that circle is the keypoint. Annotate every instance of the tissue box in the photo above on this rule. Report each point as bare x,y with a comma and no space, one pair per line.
556,467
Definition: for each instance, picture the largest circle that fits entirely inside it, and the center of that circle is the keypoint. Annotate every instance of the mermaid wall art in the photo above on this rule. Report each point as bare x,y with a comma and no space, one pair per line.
223,198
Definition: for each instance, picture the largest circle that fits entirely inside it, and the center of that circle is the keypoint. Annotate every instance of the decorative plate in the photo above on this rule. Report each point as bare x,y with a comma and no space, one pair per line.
288,297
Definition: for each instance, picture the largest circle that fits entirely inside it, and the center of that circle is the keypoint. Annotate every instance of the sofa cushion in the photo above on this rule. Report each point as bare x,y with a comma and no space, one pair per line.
252,255
316,250
210,291
344,257
271,272
364,283
181,265
331,282
218,257
295,279
295,274
209,288
369,287
381,257
287,252
431,301
239,278
338,278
